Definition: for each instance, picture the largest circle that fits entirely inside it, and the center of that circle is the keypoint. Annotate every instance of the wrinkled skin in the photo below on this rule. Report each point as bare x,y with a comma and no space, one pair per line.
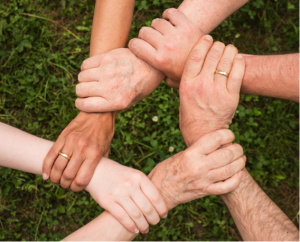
114,81
167,44
200,170
208,101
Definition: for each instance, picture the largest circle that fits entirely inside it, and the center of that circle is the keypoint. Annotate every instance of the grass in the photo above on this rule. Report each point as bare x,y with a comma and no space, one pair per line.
43,44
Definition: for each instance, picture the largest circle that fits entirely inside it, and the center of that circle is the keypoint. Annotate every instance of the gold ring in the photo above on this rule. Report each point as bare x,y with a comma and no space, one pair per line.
65,156
223,73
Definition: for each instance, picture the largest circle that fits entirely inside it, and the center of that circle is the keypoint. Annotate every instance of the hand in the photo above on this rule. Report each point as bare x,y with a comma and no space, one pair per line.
208,101
167,44
86,139
202,169
114,81
128,195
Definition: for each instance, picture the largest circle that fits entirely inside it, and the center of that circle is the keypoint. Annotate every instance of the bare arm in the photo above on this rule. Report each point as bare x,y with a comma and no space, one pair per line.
257,217
111,25
207,15
272,76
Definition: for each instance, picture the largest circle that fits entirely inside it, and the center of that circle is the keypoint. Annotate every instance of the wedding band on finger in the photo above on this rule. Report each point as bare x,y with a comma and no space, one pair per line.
64,155
223,73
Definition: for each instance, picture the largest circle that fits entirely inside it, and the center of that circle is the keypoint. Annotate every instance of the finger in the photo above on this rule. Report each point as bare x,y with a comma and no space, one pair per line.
135,214
84,175
197,57
90,89
94,105
92,62
90,75
151,36
51,157
122,216
163,26
236,75
225,65
146,207
224,156
176,17
143,50
71,170
228,171
172,83
212,141
224,187
154,197
61,163
212,59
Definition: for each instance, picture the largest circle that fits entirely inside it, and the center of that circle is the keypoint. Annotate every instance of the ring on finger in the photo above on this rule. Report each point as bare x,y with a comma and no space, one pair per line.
223,73
64,155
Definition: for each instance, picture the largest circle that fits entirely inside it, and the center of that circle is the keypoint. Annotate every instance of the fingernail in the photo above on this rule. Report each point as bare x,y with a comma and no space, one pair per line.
208,37
45,176
164,216
136,230
239,56
147,231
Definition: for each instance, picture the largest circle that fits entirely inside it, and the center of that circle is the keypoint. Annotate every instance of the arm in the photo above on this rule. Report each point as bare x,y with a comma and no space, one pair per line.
111,25
203,171
88,137
134,78
257,217
272,76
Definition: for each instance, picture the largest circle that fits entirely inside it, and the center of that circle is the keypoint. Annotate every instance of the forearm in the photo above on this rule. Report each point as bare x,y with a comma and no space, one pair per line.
257,217
22,151
111,25
207,15
273,76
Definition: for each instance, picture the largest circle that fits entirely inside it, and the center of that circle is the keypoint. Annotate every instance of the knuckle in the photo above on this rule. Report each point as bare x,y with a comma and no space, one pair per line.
160,60
228,171
69,175
169,46
196,55
81,181
136,214
82,144
217,137
148,209
95,154
227,155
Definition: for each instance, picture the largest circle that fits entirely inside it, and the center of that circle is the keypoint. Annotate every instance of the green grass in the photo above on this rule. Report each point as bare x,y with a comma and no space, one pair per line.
39,63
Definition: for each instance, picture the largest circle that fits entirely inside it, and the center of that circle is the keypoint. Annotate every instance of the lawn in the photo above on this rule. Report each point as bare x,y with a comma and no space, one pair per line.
43,43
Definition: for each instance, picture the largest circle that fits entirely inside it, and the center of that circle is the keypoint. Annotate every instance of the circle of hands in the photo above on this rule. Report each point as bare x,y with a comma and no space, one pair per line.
175,50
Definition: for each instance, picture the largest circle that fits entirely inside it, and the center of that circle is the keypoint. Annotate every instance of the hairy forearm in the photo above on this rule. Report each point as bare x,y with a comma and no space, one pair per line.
207,15
111,25
273,76
257,217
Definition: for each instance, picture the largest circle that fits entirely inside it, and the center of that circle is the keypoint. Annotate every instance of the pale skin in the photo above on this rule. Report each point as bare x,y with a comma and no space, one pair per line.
199,171
88,137
256,215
